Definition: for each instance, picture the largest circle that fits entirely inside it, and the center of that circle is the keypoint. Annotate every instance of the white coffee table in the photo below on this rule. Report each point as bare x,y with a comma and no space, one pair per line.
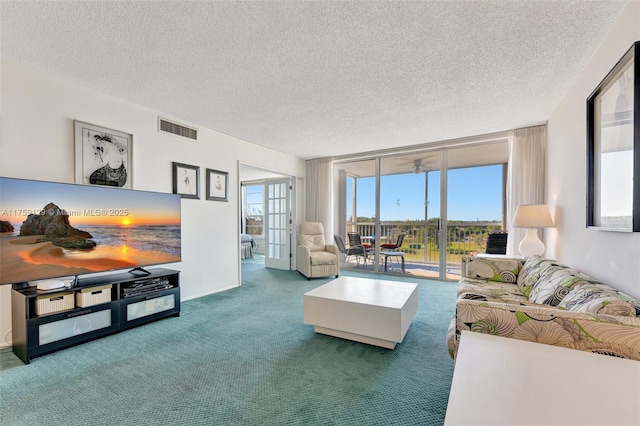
370,311
504,381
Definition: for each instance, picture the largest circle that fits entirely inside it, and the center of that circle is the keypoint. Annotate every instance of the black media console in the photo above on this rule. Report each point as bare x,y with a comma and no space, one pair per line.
47,321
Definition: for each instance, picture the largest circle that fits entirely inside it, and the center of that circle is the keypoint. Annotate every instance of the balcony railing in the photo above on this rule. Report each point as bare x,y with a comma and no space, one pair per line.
422,242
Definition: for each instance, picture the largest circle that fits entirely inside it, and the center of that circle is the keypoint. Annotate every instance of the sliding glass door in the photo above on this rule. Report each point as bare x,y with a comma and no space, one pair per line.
356,206
409,206
475,202
438,204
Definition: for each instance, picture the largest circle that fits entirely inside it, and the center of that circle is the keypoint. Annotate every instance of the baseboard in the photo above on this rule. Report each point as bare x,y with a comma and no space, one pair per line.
218,290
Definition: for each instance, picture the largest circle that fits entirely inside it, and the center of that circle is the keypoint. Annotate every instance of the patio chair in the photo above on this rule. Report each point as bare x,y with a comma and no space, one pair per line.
357,251
394,246
497,243
356,241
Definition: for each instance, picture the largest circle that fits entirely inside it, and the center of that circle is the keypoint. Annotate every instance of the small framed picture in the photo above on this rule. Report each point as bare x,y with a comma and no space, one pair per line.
103,156
186,180
217,185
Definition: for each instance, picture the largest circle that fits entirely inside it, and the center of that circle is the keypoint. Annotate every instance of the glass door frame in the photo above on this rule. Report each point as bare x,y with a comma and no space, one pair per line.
442,221
442,151
283,226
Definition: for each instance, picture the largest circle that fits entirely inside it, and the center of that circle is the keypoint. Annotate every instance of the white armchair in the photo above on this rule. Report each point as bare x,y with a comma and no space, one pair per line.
314,258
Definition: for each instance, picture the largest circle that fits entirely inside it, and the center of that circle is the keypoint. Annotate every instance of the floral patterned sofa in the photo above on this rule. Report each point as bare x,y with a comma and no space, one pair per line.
543,301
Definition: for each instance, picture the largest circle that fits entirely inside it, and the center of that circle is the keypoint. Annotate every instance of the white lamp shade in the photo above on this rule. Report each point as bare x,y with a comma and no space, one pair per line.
532,216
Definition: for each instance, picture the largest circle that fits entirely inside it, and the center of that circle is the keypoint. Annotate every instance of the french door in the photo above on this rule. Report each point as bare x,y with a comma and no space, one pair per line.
278,223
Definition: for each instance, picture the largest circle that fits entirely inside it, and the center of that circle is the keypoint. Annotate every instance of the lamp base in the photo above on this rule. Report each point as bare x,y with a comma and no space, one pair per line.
531,244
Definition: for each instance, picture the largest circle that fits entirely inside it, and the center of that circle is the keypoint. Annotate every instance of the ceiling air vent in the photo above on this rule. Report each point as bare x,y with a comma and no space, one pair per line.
177,129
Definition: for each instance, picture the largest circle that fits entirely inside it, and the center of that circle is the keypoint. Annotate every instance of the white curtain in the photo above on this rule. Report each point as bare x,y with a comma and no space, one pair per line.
319,194
525,176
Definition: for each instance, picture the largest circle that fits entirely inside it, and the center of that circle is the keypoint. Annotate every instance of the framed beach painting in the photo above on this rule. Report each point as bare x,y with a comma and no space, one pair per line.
186,180
217,185
613,148
103,156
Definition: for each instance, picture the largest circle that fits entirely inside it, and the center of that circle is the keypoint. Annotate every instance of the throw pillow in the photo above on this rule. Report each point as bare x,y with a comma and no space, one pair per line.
533,268
598,298
554,284
501,270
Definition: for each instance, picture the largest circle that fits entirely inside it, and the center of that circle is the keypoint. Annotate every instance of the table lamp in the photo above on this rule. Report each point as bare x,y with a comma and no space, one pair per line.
532,216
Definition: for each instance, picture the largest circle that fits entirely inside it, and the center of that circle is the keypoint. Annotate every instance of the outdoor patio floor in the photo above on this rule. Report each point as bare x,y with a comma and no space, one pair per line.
412,268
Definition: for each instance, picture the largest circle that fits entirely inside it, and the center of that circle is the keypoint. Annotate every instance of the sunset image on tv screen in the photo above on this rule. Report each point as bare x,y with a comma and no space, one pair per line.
52,230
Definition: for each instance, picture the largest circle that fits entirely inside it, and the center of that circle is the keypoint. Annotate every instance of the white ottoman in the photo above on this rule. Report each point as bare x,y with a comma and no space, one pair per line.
369,311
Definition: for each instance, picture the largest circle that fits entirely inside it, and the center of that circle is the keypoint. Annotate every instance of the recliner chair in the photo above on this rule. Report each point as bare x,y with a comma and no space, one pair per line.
314,258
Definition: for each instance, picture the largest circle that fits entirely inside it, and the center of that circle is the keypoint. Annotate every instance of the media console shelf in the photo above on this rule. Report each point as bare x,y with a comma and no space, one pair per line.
88,311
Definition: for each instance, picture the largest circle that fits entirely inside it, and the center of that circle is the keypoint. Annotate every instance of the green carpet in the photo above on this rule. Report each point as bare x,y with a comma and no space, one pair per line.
240,357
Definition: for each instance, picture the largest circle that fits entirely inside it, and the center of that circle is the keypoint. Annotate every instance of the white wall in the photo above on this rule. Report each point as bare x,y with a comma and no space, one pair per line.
611,257
38,143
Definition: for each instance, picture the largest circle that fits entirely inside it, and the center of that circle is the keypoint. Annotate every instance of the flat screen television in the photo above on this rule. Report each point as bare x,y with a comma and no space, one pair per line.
52,230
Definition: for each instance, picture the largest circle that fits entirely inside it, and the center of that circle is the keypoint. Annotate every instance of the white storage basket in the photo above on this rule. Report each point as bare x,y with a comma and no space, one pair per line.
50,303
93,296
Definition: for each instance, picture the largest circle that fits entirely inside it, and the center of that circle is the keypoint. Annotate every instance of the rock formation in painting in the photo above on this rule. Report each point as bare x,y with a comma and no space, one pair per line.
54,224
5,226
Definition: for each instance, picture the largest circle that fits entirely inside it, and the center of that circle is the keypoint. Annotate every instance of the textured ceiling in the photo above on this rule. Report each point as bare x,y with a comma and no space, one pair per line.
324,78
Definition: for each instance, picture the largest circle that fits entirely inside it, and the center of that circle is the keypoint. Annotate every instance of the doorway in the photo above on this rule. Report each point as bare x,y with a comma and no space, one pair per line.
267,214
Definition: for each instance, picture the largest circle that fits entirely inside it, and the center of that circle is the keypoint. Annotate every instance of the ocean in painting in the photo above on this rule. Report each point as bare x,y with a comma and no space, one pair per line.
148,238
26,258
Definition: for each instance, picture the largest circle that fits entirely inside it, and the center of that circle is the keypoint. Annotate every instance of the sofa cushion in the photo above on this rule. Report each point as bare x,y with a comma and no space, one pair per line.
469,288
533,269
597,298
501,270
554,284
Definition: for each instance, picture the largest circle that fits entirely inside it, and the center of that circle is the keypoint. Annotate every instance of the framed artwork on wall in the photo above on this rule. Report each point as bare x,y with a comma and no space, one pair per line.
103,156
613,148
186,180
217,185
